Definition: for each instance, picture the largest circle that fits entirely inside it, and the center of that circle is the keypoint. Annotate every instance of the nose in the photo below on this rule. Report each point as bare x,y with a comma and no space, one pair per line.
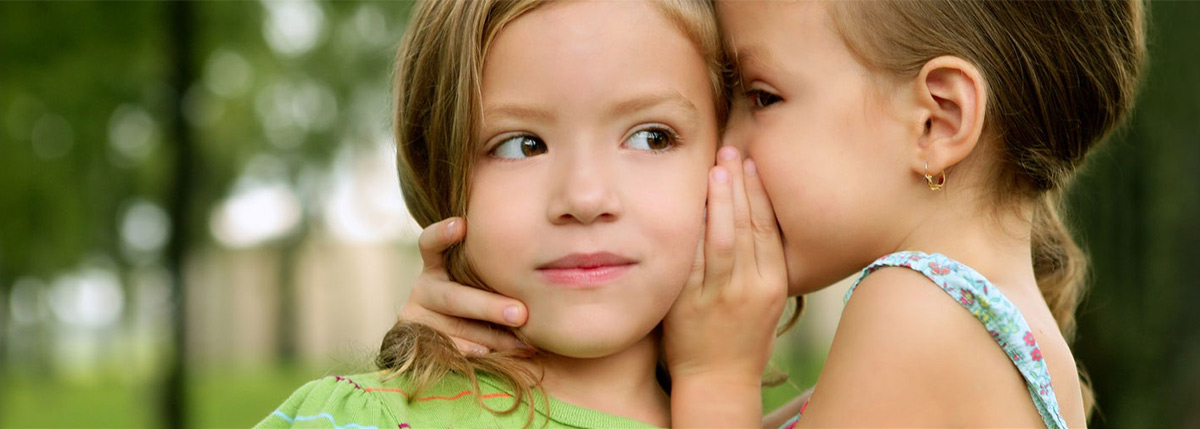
586,191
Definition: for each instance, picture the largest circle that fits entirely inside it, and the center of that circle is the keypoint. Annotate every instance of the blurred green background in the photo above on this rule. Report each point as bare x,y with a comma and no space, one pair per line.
198,213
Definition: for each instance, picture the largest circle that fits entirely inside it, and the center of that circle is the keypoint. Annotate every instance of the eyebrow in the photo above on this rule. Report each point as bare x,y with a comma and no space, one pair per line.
672,99
753,55
546,113
536,113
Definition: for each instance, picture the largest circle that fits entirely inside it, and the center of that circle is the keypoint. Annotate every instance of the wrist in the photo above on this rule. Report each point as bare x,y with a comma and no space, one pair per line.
742,373
718,379
713,400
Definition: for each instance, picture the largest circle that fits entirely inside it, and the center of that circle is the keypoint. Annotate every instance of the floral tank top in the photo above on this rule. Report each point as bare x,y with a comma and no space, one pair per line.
1001,318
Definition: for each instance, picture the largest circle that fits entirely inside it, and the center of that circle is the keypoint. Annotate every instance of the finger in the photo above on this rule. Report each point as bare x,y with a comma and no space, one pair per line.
458,328
480,334
469,348
743,234
718,233
453,299
768,243
434,241
695,281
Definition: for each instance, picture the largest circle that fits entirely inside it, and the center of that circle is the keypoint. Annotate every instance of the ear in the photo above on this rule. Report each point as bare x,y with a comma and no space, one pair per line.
951,98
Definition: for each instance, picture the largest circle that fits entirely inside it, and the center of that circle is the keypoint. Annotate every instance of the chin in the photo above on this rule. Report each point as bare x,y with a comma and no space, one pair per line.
807,276
799,279
573,348
584,340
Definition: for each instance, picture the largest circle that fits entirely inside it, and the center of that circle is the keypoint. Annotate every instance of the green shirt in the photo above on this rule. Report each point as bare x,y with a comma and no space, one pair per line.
363,401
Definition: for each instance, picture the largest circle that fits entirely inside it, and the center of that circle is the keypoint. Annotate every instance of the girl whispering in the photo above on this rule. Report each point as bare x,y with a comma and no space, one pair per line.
924,145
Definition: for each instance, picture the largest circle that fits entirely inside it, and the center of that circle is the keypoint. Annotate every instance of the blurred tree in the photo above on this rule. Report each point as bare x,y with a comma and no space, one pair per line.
181,207
107,109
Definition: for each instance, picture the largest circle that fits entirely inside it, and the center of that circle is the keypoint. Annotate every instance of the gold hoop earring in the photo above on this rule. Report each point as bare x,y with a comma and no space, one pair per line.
935,185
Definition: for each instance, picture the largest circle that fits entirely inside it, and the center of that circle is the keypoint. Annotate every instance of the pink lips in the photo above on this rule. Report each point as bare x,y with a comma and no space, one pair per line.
582,270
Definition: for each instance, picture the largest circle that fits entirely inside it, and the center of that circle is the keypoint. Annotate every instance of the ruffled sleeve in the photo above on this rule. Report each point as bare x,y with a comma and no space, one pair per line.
333,401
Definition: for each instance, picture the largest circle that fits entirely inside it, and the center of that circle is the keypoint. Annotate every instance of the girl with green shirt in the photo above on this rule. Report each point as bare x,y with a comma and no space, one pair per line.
576,139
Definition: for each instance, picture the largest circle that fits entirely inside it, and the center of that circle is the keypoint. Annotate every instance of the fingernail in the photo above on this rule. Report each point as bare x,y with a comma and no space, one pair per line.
511,314
451,228
728,152
720,175
750,168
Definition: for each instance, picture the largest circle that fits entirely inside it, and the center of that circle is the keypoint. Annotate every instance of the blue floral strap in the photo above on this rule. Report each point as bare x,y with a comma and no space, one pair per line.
1001,318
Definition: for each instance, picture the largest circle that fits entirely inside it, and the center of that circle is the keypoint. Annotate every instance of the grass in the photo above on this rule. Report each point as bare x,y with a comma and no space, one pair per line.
217,400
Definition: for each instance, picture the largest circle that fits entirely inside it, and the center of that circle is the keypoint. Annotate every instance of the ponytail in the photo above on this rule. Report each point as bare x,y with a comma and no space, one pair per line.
1060,267
1058,263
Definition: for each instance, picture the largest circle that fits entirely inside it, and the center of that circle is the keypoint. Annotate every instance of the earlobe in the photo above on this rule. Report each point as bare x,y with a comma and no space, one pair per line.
953,96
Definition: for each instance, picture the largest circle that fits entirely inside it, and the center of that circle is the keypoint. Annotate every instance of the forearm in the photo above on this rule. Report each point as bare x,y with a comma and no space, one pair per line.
716,401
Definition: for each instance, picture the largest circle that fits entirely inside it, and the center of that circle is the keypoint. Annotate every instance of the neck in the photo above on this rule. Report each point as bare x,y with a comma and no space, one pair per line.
995,242
621,384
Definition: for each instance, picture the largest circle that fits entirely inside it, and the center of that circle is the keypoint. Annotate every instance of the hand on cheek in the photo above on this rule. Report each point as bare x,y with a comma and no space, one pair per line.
719,334
457,310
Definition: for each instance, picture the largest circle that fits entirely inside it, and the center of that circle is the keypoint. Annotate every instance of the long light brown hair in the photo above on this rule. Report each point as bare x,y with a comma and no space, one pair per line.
437,110
1060,76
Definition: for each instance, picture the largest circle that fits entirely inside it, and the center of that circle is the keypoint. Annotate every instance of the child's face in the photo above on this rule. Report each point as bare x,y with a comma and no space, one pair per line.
586,203
822,135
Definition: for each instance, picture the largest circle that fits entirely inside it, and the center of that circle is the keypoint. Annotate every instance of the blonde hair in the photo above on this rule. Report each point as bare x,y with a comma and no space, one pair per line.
1060,76
438,108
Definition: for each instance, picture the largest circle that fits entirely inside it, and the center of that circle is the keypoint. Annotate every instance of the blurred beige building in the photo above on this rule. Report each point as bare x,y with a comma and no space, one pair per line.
347,297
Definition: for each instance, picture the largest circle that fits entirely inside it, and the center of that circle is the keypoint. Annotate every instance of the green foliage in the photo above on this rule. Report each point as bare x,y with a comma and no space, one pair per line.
62,80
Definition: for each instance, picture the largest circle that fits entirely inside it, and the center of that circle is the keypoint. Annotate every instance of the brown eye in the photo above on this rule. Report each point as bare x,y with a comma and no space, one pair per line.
519,147
653,140
762,98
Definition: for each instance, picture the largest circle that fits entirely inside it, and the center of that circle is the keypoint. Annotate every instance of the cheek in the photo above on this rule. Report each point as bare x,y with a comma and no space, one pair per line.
815,219
670,216
673,209
499,222
793,168
807,173
832,180
819,163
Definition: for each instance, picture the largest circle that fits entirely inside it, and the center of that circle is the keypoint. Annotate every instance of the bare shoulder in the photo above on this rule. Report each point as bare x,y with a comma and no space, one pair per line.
907,354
